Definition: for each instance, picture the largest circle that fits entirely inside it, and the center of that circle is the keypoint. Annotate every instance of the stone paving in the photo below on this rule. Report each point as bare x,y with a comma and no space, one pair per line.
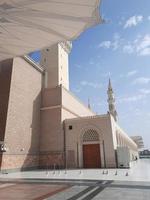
138,172
74,190
28,191
105,191
132,184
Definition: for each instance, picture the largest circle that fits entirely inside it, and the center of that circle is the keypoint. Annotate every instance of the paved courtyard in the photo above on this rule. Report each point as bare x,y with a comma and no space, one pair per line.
28,191
109,184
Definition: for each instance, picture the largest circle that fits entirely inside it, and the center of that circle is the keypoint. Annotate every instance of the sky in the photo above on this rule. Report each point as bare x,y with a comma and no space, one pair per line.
119,48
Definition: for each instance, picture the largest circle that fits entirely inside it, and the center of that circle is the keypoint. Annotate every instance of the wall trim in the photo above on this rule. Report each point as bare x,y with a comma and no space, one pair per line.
50,107
33,63
61,107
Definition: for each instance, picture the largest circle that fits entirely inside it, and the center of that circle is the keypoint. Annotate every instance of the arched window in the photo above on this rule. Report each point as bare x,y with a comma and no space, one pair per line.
90,136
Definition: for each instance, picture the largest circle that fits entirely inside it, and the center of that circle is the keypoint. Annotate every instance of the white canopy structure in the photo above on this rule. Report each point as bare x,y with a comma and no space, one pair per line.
28,25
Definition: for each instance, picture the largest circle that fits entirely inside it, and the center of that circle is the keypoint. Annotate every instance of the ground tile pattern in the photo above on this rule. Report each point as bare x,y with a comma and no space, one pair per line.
123,193
69,189
104,190
21,191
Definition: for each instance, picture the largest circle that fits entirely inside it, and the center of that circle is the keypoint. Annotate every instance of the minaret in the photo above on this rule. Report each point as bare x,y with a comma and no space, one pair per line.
55,61
89,105
111,101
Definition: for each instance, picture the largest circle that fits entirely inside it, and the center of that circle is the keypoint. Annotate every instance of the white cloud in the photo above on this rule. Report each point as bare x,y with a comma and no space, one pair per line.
133,21
140,46
114,44
145,91
143,46
145,52
105,44
131,98
131,73
141,80
128,49
148,18
90,84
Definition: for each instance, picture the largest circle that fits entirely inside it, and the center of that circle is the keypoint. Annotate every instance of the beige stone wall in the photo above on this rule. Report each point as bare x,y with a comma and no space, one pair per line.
51,97
63,64
114,130
52,137
49,60
66,114
23,118
74,143
58,104
19,161
55,61
74,106
51,160
120,138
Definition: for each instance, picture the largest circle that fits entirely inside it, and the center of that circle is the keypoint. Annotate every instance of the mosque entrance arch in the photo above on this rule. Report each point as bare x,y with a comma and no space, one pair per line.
91,149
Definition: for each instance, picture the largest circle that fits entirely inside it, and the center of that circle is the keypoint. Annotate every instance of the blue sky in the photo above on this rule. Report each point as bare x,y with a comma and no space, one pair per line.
119,47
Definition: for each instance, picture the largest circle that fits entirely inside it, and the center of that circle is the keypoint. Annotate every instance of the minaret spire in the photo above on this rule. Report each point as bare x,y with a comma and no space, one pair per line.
89,106
109,85
111,101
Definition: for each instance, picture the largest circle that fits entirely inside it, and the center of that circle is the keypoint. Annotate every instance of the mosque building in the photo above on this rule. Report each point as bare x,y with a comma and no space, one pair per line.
42,124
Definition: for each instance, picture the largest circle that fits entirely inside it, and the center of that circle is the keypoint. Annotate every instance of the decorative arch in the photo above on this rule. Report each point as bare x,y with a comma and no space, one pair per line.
90,135
92,129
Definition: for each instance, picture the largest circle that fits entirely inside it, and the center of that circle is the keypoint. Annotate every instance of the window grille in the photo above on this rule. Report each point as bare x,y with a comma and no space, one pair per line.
90,135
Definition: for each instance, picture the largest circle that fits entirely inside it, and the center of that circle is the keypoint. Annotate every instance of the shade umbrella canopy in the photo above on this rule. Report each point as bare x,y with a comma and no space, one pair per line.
29,25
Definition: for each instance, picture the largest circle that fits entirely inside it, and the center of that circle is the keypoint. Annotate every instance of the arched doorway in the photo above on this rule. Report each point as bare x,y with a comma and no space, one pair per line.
91,149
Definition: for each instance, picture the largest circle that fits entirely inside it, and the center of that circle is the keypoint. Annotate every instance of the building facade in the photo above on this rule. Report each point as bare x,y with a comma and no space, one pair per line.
43,124
139,141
